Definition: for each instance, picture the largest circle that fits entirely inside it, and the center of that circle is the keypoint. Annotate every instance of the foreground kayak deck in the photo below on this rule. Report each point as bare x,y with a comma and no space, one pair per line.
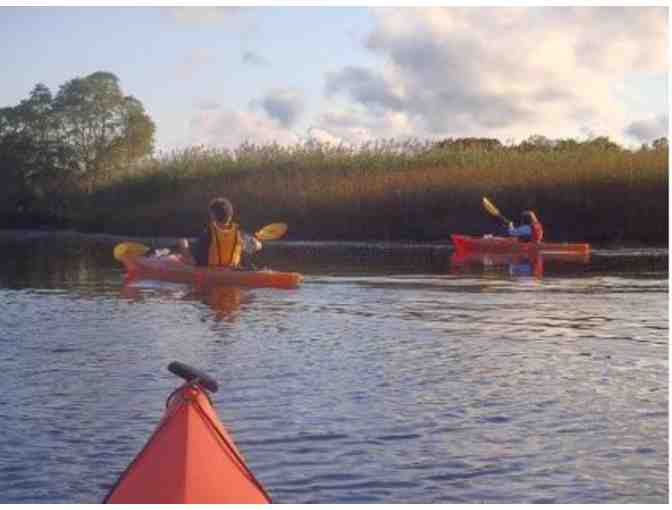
464,243
166,268
190,457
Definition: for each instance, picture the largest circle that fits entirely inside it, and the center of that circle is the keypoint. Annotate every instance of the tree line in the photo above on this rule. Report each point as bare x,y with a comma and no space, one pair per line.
544,144
56,150
84,158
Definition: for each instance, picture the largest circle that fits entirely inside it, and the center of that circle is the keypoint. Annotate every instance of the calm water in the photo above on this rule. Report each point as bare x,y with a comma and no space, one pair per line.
394,376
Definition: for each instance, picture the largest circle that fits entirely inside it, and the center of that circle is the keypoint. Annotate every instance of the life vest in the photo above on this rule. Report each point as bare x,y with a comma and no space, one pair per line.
225,245
537,232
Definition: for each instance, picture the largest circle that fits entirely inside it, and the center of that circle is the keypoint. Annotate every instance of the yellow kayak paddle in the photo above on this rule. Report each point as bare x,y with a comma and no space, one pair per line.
271,232
490,207
133,249
130,248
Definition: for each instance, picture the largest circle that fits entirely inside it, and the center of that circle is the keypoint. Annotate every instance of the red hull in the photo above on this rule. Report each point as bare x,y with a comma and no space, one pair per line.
467,244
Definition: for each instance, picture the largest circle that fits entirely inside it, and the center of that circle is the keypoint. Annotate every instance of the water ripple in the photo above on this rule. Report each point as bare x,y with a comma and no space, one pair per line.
366,386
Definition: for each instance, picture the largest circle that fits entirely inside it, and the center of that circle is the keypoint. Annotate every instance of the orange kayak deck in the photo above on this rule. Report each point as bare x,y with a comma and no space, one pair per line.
190,458
166,268
464,243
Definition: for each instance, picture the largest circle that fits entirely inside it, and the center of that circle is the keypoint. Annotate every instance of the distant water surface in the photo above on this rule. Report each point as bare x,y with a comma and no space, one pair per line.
393,375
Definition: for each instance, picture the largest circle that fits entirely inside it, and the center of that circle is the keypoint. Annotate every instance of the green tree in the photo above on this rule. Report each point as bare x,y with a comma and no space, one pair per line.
660,144
536,143
53,148
603,143
106,130
34,163
137,133
470,143
17,168
566,145
34,116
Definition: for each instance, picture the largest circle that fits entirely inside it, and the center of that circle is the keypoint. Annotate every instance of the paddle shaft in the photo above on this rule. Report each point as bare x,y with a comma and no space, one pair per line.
504,218
267,233
490,207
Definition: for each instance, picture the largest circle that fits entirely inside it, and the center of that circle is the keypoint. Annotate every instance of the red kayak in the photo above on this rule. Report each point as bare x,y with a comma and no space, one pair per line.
190,457
491,244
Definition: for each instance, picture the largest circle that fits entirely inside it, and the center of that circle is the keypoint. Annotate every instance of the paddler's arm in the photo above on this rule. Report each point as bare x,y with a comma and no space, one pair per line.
250,243
522,231
184,251
195,254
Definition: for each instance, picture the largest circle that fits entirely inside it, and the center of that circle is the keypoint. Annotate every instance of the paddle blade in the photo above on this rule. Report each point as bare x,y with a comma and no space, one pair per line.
129,249
490,207
271,232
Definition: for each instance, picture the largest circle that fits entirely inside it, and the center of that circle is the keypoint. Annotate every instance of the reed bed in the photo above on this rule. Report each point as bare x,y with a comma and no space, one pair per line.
413,191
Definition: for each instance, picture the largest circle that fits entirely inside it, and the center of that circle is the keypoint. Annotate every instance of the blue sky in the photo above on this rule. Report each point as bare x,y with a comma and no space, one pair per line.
218,76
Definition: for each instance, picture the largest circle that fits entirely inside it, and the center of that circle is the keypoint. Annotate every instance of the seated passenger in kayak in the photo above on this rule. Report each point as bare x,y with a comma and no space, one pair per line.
530,229
222,243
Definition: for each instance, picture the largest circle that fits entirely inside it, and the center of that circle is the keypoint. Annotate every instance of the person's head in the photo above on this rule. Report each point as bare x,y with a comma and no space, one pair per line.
529,217
221,210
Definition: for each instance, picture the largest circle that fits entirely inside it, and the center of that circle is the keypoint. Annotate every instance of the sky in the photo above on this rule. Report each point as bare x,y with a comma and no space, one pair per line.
219,76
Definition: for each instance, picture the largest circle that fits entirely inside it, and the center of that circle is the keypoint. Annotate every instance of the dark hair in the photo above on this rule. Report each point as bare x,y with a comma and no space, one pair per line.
222,209
528,217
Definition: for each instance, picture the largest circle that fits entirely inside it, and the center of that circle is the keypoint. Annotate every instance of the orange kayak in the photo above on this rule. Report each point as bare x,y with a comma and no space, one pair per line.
190,458
464,243
172,269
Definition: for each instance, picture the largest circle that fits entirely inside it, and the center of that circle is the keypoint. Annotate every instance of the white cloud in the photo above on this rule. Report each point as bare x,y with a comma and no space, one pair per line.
648,130
364,86
323,136
504,72
228,129
283,105
357,126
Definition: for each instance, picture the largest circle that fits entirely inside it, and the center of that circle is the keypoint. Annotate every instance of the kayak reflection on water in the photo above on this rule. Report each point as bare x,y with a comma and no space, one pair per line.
518,264
223,300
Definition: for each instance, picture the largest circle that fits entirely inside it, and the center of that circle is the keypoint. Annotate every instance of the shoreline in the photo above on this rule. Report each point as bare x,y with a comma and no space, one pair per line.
23,235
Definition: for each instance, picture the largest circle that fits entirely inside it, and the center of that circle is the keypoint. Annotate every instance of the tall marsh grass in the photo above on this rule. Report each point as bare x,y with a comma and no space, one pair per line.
413,191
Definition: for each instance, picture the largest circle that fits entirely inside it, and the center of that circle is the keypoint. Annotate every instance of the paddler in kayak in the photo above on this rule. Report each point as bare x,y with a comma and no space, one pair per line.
530,229
222,243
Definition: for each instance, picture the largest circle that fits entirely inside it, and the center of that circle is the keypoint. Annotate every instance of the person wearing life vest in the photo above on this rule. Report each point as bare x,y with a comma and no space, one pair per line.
530,229
222,243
